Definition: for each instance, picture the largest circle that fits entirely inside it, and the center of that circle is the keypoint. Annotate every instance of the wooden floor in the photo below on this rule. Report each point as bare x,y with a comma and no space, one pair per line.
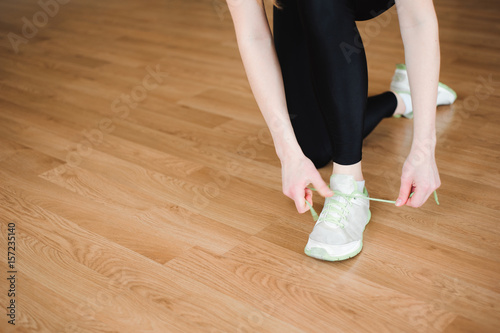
146,194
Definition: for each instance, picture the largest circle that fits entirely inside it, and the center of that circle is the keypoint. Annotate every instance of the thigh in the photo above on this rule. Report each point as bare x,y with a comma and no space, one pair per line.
338,67
307,121
368,9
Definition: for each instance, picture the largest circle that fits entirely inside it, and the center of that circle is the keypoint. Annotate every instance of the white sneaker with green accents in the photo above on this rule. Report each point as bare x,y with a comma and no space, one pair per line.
401,85
338,233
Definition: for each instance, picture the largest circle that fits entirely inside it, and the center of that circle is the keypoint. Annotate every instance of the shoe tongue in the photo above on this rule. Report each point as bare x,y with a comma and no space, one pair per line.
342,183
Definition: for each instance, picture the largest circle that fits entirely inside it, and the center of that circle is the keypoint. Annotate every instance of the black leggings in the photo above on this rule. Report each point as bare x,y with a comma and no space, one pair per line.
325,76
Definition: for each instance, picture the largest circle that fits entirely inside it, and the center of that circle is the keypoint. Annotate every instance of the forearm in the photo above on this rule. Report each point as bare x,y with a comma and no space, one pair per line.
263,72
264,75
419,30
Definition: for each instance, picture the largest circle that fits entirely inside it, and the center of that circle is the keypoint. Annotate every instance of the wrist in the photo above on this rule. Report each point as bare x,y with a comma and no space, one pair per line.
424,140
287,148
422,152
425,145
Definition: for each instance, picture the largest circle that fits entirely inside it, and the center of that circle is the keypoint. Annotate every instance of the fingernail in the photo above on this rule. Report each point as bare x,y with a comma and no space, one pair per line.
398,202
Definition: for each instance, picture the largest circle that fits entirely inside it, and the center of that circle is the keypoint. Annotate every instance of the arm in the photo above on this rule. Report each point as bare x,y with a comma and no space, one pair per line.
263,71
419,30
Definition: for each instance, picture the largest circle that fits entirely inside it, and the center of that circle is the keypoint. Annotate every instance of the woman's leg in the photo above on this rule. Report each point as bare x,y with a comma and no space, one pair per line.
340,81
383,105
340,85
379,107
307,120
339,72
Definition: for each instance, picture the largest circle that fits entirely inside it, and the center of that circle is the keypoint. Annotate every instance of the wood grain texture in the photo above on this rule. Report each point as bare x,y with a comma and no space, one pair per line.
152,202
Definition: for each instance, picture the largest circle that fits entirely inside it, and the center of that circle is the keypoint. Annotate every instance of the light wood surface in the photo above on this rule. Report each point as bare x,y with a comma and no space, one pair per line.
167,215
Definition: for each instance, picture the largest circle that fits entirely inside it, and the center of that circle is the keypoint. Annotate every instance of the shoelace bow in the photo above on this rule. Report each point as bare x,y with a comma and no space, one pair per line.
347,197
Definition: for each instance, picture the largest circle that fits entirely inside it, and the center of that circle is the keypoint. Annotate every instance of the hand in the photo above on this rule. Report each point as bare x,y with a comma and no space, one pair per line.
297,173
420,175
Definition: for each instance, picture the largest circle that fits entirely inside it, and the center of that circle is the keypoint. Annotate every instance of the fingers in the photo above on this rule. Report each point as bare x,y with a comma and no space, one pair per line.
300,198
295,184
404,191
301,195
300,203
320,185
309,195
419,197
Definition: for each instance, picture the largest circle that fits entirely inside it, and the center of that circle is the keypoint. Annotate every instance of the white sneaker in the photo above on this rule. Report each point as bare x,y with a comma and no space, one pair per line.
401,85
338,233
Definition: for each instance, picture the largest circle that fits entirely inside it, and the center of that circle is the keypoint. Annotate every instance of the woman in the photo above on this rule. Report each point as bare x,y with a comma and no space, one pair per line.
311,87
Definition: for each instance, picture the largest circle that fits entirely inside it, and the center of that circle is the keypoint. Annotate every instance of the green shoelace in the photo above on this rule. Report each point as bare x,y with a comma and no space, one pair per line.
347,197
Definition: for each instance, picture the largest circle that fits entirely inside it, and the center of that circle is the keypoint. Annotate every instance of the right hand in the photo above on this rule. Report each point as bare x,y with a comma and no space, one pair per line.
297,173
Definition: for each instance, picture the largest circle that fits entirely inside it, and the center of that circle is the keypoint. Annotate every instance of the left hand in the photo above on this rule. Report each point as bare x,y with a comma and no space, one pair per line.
420,175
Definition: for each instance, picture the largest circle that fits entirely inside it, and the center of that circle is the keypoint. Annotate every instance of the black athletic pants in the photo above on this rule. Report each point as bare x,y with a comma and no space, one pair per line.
325,76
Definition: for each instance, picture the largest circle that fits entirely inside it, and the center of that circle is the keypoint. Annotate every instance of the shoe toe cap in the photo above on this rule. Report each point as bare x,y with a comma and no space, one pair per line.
325,234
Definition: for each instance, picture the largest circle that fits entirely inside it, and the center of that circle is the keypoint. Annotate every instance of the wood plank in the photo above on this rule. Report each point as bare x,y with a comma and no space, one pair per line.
173,218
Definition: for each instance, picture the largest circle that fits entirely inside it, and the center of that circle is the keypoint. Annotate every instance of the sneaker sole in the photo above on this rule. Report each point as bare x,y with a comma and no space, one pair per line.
322,251
319,251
